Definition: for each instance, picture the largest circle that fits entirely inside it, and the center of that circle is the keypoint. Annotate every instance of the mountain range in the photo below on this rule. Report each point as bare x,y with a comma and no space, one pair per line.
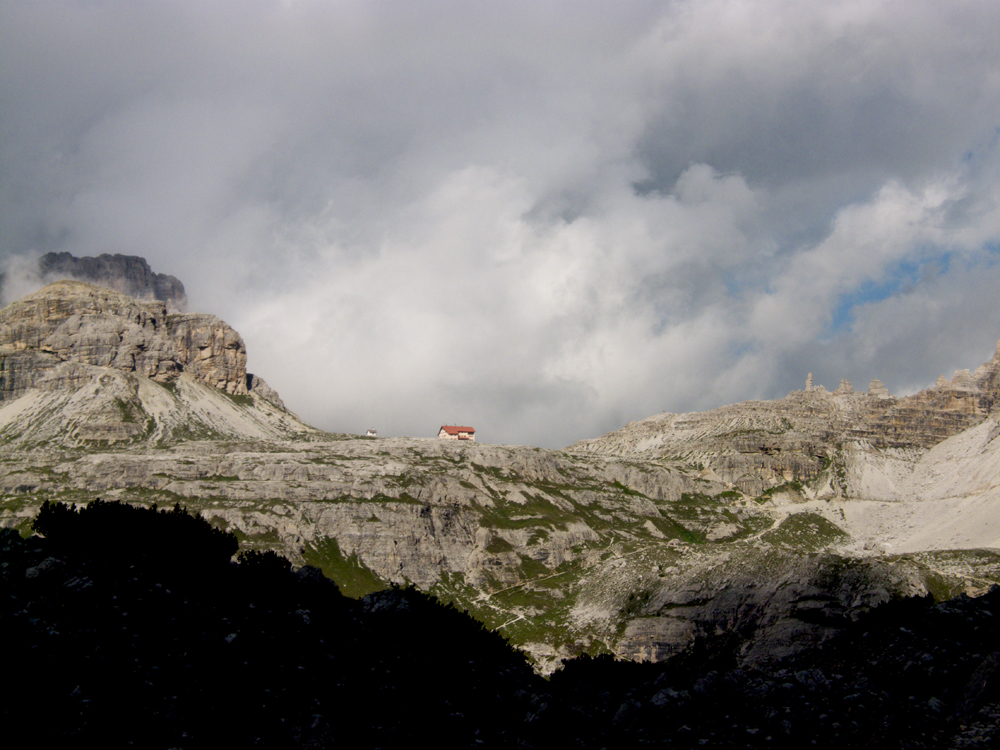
773,522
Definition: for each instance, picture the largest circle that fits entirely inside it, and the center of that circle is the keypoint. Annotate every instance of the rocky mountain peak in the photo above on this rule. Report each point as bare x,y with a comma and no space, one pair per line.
73,321
128,274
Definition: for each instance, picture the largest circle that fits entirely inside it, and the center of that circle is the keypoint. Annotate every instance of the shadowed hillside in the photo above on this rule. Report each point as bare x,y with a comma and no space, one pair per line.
132,627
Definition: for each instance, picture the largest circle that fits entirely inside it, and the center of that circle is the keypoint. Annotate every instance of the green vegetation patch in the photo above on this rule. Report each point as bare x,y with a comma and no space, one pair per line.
498,545
496,473
694,500
748,526
354,578
689,518
547,621
266,539
536,610
377,498
627,490
403,497
636,604
793,486
673,529
185,433
127,410
531,568
949,573
942,587
537,511
147,495
238,399
806,531
538,535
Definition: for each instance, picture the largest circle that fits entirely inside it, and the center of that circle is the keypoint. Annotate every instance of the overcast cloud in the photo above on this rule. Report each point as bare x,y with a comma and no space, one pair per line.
543,219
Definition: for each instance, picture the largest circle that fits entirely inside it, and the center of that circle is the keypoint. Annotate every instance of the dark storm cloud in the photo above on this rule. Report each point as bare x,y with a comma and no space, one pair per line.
543,219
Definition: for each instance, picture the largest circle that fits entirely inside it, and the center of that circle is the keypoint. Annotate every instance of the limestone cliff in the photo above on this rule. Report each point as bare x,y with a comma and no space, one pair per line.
72,321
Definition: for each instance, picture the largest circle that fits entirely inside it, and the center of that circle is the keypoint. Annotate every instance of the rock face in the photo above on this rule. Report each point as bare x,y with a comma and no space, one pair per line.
756,446
71,321
257,386
877,389
128,274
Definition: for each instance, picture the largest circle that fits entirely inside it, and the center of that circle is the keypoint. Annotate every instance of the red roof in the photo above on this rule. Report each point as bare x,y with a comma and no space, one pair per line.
454,430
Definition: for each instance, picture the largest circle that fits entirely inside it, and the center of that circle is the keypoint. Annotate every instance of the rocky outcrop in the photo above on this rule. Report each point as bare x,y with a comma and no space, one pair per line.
877,389
128,274
776,605
756,446
71,321
987,378
209,350
258,387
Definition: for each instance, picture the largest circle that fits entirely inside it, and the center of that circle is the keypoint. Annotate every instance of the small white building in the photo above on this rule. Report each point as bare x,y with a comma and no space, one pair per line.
371,433
455,432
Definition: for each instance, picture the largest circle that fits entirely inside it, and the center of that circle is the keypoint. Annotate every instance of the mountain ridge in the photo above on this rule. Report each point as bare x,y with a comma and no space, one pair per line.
785,519
790,435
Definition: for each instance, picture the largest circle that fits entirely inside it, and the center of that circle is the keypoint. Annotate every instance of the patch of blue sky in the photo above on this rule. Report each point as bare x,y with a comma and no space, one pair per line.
905,276
734,285
752,277
740,349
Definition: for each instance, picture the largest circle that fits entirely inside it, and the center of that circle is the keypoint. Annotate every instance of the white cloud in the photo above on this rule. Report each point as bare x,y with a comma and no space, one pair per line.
544,220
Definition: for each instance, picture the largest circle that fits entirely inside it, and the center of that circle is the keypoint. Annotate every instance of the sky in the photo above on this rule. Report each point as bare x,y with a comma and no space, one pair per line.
540,219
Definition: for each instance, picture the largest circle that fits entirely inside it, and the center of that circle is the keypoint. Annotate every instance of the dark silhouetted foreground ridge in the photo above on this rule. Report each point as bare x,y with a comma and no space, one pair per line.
129,627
